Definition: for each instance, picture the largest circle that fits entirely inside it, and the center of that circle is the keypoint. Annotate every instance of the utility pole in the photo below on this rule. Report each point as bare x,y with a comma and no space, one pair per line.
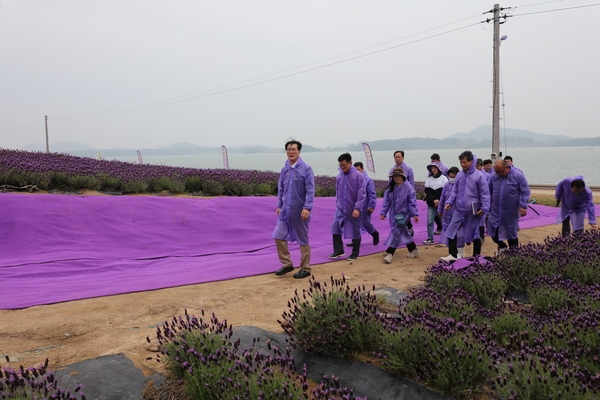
496,87
496,81
47,143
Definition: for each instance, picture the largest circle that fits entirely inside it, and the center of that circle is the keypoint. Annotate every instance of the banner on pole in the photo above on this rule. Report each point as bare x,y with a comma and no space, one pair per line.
139,157
369,156
225,158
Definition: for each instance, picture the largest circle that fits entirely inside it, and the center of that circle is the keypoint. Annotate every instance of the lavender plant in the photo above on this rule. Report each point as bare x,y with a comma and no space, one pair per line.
441,340
201,355
554,293
531,377
211,366
451,356
483,279
34,383
330,389
511,328
52,171
333,320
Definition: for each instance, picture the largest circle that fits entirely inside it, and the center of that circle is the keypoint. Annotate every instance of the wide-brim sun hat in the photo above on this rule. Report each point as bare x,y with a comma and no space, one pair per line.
398,171
429,166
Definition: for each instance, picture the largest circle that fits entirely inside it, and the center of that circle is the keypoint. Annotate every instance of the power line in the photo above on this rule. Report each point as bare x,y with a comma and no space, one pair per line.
14,128
557,9
194,97
261,80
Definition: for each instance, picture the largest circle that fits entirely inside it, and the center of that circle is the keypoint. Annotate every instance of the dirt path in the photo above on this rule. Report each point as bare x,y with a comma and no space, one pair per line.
78,330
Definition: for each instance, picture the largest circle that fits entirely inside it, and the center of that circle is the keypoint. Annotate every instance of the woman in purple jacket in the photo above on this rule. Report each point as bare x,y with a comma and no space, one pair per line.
400,204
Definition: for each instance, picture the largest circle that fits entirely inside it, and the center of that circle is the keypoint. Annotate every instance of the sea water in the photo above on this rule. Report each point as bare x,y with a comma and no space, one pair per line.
541,165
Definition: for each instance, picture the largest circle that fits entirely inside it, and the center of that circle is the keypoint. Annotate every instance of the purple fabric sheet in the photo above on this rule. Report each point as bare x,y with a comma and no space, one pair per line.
58,248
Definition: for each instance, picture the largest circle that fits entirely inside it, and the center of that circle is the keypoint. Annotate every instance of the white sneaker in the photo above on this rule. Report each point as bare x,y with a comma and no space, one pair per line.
500,251
461,252
388,258
413,254
449,257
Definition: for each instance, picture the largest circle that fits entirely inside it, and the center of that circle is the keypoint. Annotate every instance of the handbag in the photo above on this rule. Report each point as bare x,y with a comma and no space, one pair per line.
400,220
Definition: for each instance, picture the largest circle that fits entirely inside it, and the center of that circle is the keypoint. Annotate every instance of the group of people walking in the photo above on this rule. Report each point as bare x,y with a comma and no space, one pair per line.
461,204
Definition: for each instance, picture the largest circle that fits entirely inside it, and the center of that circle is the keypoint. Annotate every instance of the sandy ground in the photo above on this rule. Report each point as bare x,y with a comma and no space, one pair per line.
77,330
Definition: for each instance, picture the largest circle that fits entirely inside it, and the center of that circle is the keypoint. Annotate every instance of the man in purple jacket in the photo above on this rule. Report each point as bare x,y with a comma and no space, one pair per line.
369,206
350,199
574,199
509,194
470,197
295,197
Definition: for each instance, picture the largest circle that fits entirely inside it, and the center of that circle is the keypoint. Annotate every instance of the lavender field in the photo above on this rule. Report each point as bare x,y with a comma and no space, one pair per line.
52,171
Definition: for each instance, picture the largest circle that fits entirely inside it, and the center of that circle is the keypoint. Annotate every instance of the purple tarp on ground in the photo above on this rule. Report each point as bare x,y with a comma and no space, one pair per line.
58,248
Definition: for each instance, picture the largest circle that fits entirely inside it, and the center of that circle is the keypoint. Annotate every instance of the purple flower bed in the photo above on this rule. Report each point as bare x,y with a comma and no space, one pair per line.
465,335
52,170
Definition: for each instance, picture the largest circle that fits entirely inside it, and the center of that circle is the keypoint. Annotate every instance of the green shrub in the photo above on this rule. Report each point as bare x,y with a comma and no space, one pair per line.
109,182
20,178
58,179
235,188
193,184
324,191
159,184
84,182
177,186
263,188
135,187
212,188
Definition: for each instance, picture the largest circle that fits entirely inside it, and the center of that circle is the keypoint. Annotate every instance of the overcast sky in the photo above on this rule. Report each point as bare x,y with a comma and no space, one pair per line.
239,72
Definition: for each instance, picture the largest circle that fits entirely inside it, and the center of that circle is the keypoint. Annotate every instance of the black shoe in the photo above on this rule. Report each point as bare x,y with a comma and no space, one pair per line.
350,244
375,238
334,255
352,258
301,274
284,270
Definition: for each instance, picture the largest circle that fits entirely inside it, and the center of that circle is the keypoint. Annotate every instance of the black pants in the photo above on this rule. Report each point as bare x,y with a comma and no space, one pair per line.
410,247
338,245
566,227
453,249
438,222
501,245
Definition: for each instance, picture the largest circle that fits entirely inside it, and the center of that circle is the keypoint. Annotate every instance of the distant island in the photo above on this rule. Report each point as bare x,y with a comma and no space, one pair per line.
477,138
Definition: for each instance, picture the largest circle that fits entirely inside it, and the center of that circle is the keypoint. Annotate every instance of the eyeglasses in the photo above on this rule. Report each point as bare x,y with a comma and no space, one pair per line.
292,150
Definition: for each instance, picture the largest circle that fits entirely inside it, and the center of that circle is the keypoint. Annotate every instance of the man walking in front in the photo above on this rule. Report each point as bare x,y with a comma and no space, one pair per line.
574,198
509,195
399,163
295,196
471,198
350,199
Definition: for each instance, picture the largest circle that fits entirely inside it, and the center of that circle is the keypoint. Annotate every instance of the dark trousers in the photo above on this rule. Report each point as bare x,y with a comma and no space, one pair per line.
338,245
566,227
453,248
410,247
501,245
438,222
